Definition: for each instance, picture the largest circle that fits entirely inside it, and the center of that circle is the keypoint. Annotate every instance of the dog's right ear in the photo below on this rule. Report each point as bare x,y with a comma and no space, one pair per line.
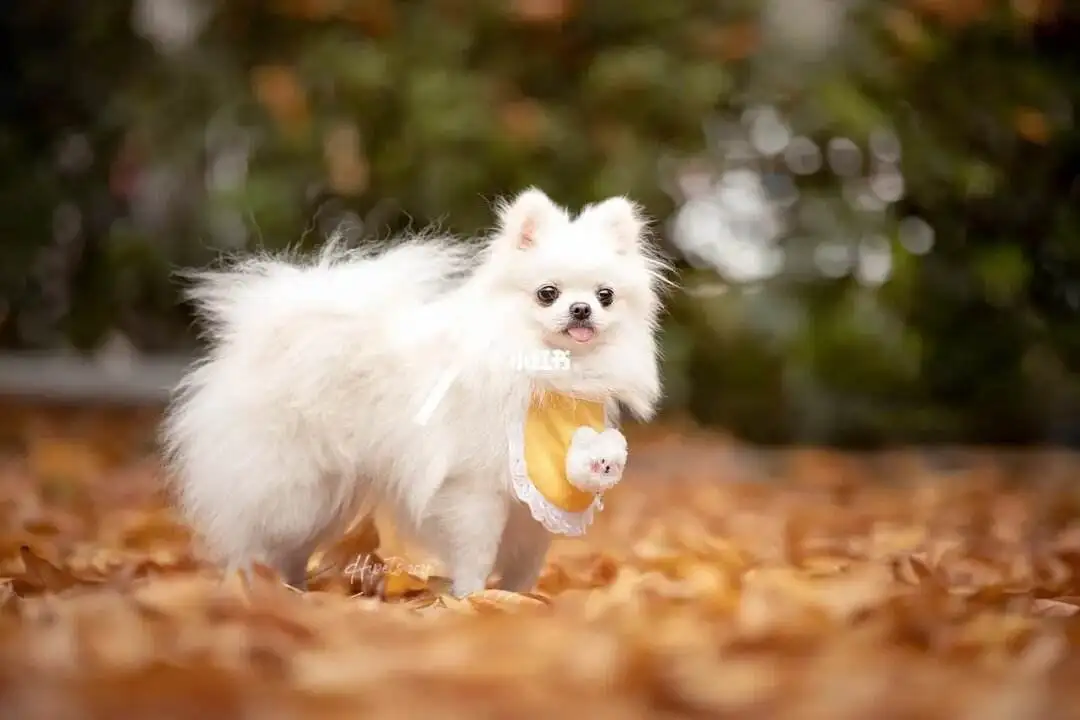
526,216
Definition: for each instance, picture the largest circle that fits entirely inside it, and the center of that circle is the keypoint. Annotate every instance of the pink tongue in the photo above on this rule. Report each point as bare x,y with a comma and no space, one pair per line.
581,334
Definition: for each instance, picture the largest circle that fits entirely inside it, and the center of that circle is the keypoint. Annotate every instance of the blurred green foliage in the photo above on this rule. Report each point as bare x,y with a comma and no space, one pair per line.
278,121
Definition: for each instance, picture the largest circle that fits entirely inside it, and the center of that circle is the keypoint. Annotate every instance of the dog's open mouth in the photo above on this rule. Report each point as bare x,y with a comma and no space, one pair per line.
580,332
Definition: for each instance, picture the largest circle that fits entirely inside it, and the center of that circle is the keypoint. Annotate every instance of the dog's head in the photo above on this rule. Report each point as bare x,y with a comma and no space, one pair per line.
588,284
583,280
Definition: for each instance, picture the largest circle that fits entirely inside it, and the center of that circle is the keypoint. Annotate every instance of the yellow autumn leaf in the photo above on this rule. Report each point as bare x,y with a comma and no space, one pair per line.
505,601
398,583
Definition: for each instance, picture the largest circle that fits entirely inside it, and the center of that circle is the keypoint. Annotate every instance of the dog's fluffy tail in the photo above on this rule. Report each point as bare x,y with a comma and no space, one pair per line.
336,279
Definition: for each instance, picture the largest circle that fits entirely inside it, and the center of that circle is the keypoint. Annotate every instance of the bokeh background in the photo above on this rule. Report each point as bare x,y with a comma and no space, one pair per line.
873,204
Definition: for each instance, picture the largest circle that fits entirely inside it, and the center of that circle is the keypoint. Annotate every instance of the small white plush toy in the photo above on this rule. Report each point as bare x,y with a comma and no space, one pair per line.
595,460
563,459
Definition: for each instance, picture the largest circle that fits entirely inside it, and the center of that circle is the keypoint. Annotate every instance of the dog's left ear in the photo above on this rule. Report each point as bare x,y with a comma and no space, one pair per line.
623,218
527,216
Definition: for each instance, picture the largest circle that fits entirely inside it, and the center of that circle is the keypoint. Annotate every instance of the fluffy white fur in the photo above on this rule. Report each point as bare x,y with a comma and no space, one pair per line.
303,412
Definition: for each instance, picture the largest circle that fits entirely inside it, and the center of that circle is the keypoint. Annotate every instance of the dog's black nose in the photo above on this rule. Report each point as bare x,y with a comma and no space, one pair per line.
580,311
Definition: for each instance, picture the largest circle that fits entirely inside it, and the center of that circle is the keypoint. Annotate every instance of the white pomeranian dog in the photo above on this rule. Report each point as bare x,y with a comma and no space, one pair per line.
361,378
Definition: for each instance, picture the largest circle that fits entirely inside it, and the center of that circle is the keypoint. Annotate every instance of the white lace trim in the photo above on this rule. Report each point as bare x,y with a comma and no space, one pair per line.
554,519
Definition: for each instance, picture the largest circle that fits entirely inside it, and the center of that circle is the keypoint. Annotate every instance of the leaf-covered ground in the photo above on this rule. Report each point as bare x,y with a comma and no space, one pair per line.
718,583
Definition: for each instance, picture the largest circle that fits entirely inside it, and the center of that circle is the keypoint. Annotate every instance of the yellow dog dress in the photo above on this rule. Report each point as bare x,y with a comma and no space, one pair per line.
539,445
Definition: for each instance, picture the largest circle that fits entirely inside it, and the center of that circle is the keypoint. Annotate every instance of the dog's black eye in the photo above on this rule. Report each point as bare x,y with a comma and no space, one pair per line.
547,294
606,296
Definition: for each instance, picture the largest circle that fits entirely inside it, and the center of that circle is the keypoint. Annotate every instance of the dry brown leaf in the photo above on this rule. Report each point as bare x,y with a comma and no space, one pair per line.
458,605
1057,607
41,576
914,570
502,601
398,584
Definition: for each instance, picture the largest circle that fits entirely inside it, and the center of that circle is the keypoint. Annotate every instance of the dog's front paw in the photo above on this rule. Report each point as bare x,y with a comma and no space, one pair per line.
596,460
